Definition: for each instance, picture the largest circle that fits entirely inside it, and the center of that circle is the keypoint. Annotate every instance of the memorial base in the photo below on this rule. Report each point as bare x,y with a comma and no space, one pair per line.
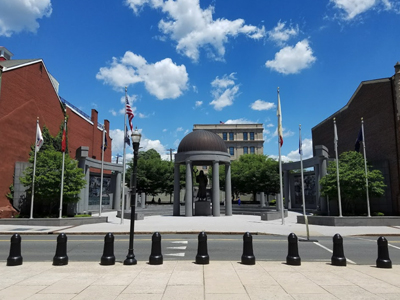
202,208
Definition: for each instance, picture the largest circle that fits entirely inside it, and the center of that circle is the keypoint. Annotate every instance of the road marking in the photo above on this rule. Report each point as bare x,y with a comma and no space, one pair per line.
177,248
329,250
179,242
394,246
176,254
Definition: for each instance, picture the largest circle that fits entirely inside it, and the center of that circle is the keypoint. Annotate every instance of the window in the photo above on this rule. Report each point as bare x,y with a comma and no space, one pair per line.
231,136
245,150
251,136
231,151
252,150
224,136
245,136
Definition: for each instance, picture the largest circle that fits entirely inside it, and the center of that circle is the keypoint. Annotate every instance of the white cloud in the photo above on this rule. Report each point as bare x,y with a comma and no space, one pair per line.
224,91
113,112
20,15
193,28
179,129
262,105
240,121
268,136
164,79
294,155
198,103
352,8
117,136
280,34
146,144
291,60
165,130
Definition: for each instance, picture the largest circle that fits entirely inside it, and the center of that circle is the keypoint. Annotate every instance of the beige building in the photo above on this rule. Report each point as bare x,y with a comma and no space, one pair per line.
239,138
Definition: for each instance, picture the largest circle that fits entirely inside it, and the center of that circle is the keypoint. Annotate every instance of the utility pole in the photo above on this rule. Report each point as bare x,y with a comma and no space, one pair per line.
170,159
170,153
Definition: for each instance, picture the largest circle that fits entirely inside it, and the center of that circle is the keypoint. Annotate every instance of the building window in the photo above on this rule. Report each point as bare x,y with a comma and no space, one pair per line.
224,136
231,136
245,136
252,150
251,136
231,151
204,167
245,150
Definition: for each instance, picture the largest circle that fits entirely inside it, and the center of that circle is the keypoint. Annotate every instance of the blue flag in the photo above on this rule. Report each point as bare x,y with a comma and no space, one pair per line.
105,143
358,141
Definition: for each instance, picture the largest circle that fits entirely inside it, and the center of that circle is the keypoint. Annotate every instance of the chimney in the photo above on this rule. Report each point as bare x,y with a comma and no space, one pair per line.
5,54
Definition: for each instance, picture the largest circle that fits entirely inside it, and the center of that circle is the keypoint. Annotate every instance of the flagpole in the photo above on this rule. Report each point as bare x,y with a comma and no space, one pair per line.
337,168
366,169
34,170
62,172
280,161
123,165
101,174
302,183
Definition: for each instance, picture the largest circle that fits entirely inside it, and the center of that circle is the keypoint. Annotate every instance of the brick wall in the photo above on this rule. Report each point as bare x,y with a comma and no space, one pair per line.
27,93
373,101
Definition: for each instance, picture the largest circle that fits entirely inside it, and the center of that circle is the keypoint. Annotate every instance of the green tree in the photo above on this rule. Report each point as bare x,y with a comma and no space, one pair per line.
352,182
154,175
251,174
48,176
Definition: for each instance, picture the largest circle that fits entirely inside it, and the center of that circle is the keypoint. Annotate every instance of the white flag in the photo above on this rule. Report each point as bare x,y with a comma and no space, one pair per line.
39,138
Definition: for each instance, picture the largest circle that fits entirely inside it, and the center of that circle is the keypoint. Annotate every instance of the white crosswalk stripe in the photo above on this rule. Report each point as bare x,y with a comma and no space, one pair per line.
178,254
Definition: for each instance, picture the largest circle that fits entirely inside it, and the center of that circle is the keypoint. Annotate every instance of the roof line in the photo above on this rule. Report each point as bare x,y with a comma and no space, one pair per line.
351,98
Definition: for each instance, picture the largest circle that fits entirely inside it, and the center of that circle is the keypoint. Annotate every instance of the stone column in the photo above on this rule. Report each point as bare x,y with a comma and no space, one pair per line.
143,200
286,188
228,190
177,189
117,194
262,199
215,190
86,189
189,190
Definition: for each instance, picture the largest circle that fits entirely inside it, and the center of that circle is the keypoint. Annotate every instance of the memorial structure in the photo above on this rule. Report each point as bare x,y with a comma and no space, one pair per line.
202,148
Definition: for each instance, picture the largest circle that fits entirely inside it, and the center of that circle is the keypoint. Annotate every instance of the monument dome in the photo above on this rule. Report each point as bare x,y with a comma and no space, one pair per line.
202,140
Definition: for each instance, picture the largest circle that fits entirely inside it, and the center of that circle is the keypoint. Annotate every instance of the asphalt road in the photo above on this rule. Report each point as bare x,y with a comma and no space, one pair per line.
358,250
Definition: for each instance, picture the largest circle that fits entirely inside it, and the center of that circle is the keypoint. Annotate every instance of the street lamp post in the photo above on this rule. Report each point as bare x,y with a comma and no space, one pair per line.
130,258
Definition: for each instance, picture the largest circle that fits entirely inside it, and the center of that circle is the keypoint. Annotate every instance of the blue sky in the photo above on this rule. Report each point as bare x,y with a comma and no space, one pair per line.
191,62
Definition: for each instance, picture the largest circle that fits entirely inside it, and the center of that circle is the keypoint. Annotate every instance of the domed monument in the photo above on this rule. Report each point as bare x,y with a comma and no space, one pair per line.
202,148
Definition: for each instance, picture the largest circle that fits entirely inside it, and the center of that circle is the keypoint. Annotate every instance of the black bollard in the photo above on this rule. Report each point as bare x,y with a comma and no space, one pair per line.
15,258
108,257
61,258
293,257
248,257
383,260
338,258
202,257
156,257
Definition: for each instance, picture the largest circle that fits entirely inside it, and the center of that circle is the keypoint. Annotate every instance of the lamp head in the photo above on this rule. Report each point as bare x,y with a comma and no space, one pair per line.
136,136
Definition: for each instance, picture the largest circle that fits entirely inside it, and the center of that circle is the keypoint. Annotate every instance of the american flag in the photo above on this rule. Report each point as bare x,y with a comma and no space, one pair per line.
129,112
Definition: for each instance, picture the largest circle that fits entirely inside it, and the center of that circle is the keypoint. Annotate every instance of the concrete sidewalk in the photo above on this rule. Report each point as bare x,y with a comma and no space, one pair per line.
182,279
236,224
186,280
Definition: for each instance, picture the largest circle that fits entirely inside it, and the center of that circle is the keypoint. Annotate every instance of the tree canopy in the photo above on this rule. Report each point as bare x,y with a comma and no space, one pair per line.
48,175
253,173
154,175
352,181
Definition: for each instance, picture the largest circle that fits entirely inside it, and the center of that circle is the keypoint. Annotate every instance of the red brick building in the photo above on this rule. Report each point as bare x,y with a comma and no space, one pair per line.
28,92
378,103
